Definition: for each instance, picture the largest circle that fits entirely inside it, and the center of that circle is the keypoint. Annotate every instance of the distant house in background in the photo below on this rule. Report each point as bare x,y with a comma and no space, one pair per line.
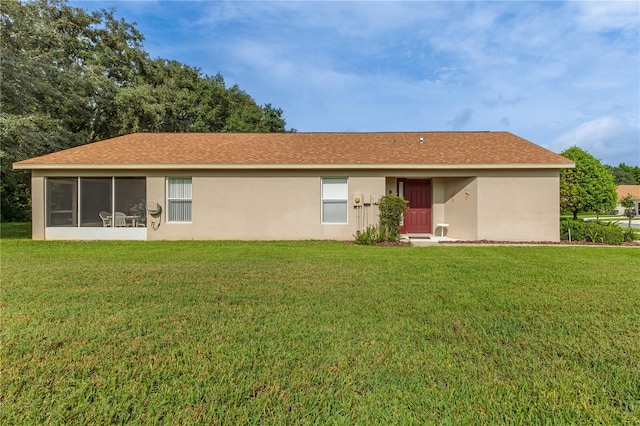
634,191
295,186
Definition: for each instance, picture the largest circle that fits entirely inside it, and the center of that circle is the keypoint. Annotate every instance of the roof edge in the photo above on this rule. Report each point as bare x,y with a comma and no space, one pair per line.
403,166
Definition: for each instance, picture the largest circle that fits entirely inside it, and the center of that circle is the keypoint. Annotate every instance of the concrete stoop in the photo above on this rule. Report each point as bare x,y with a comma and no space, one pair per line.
425,240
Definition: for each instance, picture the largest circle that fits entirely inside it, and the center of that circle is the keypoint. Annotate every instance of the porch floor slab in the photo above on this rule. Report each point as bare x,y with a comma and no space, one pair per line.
425,239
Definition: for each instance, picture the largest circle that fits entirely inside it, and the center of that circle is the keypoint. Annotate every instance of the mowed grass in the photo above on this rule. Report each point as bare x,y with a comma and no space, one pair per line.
15,230
318,332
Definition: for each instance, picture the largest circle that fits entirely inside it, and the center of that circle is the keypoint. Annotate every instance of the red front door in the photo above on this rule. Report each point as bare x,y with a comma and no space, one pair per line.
417,220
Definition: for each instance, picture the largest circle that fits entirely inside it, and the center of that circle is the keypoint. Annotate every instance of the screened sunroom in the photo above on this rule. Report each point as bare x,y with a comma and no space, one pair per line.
87,207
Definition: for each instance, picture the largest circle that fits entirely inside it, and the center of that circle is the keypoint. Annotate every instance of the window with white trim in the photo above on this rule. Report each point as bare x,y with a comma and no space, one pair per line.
179,200
334,200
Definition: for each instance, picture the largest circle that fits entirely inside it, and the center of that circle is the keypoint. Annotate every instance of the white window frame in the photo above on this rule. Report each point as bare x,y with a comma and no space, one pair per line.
170,199
342,200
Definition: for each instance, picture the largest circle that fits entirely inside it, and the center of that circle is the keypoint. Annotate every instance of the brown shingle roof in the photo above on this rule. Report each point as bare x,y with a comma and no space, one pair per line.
304,149
624,190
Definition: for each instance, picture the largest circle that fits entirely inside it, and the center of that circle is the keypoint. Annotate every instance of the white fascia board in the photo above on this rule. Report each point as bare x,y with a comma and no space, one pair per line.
468,166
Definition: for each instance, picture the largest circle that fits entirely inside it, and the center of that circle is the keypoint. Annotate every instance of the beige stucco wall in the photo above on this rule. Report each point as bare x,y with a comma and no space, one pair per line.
519,207
502,205
262,206
438,208
37,208
461,196
513,205
509,205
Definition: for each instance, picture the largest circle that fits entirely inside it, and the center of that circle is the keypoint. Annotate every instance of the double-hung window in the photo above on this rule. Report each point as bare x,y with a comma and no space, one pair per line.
179,200
334,200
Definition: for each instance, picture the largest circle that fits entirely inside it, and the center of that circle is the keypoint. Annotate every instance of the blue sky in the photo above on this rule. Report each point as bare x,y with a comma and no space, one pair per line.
556,73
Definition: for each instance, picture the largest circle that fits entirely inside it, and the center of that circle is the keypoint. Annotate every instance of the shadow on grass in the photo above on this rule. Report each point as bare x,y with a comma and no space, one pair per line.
15,230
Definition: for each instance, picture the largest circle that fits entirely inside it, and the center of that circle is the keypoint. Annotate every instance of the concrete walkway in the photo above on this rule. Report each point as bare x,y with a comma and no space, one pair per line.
431,241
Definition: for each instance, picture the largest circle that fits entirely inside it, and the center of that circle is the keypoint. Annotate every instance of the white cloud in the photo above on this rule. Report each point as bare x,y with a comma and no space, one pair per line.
267,58
607,15
557,73
610,139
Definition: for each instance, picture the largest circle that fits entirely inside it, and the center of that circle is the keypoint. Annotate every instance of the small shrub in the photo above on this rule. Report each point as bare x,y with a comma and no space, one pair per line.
598,232
575,226
369,236
592,232
392,208
595,231
613,235
629,235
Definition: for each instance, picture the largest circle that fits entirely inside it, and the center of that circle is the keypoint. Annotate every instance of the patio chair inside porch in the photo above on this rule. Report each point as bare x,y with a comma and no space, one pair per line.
106,219
120,219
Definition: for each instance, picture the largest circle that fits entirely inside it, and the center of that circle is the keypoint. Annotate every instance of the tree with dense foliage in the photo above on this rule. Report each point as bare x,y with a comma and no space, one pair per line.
70,77
588,187
625,175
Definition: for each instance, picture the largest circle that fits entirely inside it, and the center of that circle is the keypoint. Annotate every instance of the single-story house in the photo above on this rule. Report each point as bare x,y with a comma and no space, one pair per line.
634,191
295,186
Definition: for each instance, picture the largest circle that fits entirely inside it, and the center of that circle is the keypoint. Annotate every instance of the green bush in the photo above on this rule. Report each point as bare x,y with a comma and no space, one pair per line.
369,236
608,233
576,227
392,208
595,231
613,235
630,235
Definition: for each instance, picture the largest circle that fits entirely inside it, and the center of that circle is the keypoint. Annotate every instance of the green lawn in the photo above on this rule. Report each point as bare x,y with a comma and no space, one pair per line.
317,332
15,230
